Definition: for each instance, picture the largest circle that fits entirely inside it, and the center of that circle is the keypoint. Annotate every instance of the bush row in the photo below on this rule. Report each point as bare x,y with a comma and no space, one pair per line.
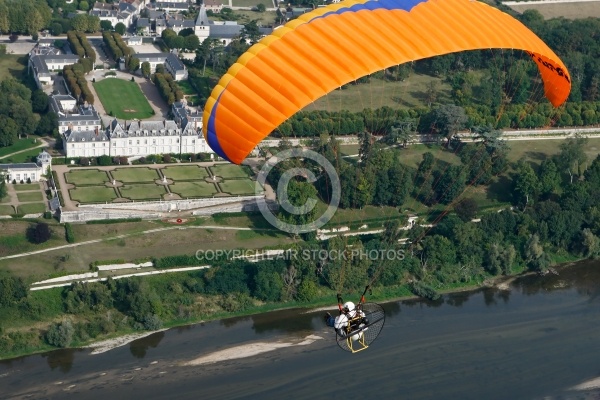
113,221
74,76
80,45
168,88
69,234
115,45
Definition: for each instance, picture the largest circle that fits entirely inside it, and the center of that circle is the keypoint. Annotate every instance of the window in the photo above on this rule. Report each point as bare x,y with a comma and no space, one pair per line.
130,142
138,141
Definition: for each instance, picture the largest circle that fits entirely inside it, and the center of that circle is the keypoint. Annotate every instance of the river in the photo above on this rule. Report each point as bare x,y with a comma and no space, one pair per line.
535,341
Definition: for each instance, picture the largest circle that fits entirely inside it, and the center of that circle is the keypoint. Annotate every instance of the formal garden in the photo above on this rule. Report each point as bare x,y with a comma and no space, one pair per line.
29,200
123,184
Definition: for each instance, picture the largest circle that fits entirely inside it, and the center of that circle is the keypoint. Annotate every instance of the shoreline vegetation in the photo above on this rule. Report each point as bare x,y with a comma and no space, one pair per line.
125,337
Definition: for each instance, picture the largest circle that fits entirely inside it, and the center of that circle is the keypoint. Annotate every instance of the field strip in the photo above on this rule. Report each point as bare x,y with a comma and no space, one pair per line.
66,246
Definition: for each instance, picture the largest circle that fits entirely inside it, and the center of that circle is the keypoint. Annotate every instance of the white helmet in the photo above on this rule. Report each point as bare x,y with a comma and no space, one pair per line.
349,306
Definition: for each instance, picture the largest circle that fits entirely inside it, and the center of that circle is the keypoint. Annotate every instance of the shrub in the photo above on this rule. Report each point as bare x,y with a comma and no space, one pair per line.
14,181
28,180
69,234
39,233
60,334
422,290
48,215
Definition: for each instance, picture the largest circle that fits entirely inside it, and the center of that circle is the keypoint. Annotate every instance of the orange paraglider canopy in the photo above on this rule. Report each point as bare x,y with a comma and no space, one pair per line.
334,45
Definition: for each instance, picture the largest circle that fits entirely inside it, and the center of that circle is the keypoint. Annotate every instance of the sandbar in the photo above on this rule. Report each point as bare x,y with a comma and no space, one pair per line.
248,350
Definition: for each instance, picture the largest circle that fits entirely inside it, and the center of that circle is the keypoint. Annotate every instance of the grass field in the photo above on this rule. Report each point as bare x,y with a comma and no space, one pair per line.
143,191
185,173
251,3
378,93
193,189
574,10
12,65
349,149
229,171
20,144
30,196
26,156
135,175
6,210
413,155
26,187
245,16
536,151
82,177
123,98
5,199
33,208
238,186
93,194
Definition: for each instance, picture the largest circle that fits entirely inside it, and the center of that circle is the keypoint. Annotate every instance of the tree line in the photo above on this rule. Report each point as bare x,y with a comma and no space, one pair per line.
74,76
115,45
81,46
167,87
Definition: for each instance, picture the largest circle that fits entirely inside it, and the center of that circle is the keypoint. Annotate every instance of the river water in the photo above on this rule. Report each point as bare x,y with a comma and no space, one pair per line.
535,341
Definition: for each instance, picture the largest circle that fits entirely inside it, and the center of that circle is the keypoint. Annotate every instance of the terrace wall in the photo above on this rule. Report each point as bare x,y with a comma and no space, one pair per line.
160,209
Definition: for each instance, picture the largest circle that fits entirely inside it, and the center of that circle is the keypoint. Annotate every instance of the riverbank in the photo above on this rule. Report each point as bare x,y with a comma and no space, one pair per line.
380,295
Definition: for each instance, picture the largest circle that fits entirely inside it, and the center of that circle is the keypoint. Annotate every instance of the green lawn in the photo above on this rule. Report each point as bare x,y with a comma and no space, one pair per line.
123,98
5,199
33,208
82,177
12,65
93,194
6,210
251,3
185,173
26,187
238,187
24,157
193,189
143,192
135,175
186,88
413,154
20,144
230,171
537,150
349,149
25,197
378,93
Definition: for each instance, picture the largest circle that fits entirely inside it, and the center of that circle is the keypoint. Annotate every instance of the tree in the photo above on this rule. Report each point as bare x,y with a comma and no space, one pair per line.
590,243
106,25
39,233
251,32
8,131
526,184
449,119
39,101
3,188
60,334
146,69
120,28
261,8
191,42
47,124
80,22
83,5
466,209
268,285
549,177
133,64
535,256
572,156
